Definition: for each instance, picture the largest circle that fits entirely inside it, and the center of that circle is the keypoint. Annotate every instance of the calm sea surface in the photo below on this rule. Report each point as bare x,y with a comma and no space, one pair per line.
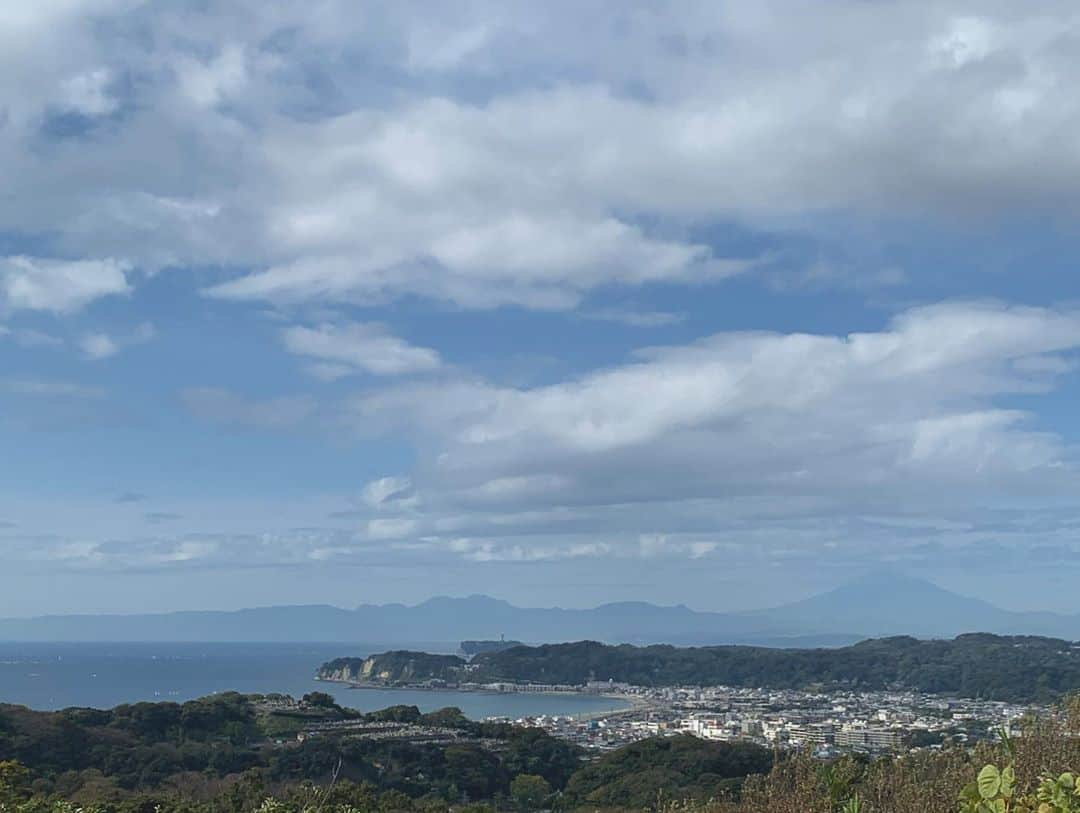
53,676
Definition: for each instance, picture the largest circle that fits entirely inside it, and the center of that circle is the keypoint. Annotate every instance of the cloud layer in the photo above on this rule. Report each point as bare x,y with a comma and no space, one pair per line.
353,232
470,161
737,448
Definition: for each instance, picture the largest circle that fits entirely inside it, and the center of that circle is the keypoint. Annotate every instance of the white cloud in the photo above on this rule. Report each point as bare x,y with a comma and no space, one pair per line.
209,83
435,48
666,453
355,347
384,528
59,286
488,550
655,545
536,262
88,93
493,153
532,174
388,491
97,345
330,372
964,349
965,40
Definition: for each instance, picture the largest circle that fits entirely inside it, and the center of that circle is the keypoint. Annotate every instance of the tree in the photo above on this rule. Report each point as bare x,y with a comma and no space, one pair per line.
394,801
14,782
319,700
530,792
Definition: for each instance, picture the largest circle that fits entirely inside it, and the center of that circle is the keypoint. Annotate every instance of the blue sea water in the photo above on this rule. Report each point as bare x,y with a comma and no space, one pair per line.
59,675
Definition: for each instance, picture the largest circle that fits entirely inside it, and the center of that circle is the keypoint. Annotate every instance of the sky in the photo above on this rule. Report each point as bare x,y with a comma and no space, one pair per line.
721,304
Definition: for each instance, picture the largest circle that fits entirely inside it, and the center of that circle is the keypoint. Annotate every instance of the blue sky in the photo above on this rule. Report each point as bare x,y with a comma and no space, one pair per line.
565,303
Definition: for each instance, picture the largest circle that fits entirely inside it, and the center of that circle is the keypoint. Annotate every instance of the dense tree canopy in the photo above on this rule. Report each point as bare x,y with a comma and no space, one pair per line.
636,776
1022,669
226,740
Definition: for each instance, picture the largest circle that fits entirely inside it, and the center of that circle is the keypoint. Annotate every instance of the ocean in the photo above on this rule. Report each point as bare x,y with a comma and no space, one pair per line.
56,675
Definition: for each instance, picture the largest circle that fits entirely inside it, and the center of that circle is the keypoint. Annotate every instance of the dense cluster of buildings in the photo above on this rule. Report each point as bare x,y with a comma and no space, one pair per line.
825,723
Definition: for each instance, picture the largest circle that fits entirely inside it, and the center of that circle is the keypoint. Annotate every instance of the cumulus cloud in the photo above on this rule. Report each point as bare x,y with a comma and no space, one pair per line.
573,169
355,347
537,262
98,345
88,93
59,286
388,491
489,550
209,83
654,545
390,528
964,351
498,154
682,442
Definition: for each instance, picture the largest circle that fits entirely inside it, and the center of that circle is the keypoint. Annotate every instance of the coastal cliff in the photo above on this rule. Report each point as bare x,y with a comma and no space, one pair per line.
397,667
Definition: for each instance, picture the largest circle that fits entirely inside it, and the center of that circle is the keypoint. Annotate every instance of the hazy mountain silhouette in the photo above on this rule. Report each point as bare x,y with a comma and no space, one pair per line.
879,604
889,603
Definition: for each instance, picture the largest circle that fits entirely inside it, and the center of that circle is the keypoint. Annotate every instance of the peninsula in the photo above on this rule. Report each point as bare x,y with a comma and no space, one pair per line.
1005,668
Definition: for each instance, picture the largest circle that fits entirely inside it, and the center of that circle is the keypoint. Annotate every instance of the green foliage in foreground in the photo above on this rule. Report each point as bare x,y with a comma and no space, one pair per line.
517,770
229,753
674,768
994,790
228,748
1032,773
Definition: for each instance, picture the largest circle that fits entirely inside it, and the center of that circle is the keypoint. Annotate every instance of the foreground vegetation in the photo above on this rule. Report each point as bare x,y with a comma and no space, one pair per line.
1032,773
216,756
229,753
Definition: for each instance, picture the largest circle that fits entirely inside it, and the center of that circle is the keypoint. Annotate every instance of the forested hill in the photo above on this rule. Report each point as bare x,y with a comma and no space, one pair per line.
399,666
1020,669
228,753
146,756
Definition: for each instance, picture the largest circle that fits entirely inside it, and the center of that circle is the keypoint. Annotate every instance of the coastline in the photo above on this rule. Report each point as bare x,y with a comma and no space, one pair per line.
633,703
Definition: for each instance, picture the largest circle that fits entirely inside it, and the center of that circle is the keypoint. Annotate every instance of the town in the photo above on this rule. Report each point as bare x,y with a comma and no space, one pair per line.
825,723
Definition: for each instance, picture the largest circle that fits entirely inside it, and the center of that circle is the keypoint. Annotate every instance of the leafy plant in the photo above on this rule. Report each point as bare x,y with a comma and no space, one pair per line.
991,792
852,805
994,791
1060,794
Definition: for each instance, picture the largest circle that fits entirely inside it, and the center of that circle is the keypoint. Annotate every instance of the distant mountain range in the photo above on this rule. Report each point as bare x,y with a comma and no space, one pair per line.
878,605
